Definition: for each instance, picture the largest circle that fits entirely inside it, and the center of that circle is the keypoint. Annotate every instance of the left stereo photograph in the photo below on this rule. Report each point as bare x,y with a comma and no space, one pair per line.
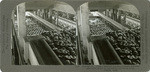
44,33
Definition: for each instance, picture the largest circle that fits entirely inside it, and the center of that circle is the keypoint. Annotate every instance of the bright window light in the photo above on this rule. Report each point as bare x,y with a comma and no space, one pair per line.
94,13
0,0
27,14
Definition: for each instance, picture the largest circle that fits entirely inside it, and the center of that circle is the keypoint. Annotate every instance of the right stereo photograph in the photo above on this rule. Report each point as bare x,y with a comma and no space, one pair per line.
110,33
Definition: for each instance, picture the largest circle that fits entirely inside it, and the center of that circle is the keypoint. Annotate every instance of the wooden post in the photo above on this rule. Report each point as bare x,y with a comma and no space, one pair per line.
83,17
21,26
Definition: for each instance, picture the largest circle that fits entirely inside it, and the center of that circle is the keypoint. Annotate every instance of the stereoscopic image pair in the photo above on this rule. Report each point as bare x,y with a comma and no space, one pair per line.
96,33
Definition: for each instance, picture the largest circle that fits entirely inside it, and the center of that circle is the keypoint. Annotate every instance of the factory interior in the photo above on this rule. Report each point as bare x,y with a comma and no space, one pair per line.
54,33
